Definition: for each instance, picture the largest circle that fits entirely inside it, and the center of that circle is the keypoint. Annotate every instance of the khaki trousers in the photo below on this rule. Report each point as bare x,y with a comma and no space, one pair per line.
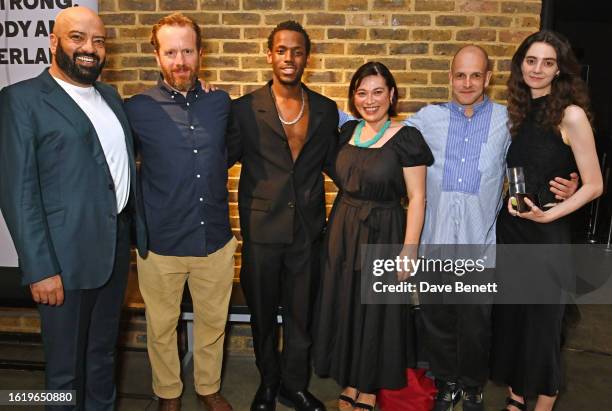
161,280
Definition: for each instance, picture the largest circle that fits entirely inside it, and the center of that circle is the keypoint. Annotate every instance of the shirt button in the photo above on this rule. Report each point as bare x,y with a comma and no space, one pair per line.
469,119
201,222
111,186
290,204
463,160
187,104
465,140
460,180
197,176
193,128
201,199
195,151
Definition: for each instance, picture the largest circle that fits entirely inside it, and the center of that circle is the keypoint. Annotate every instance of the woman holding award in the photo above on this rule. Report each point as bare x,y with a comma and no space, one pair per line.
365,347
549,118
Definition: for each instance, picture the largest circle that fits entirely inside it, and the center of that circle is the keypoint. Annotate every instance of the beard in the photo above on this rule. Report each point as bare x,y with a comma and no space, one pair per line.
80,74
180,82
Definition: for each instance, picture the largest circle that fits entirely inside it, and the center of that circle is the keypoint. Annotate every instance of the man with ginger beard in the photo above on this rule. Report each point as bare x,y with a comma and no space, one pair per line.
180,136
67,190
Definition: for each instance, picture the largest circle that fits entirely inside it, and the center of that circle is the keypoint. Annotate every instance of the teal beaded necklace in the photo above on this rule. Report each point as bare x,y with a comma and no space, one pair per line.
373,140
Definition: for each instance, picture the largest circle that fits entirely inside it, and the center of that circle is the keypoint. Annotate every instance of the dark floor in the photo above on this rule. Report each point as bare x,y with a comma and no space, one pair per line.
589,382
588,373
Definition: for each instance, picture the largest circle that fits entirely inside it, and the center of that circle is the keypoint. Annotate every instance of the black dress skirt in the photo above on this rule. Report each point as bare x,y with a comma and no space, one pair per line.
365,346
526,349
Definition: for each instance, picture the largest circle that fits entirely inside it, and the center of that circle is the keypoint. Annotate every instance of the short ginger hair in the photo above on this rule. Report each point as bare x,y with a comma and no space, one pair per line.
176,19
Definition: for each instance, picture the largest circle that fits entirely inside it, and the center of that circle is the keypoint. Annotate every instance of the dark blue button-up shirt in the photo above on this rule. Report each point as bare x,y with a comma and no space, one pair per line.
181,142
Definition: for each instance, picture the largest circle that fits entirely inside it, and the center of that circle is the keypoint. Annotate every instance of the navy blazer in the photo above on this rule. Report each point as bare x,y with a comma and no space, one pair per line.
56,191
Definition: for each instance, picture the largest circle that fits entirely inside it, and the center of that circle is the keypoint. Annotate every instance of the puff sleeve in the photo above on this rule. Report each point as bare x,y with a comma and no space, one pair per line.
411,148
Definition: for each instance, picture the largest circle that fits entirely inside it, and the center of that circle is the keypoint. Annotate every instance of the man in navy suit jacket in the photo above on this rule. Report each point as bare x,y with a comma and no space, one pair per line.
68,191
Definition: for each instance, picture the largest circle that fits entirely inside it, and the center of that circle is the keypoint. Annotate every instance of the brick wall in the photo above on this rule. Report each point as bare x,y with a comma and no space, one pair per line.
414,38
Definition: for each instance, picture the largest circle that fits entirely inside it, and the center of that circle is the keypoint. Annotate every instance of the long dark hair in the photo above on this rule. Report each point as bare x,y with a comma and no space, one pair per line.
567,87
372,68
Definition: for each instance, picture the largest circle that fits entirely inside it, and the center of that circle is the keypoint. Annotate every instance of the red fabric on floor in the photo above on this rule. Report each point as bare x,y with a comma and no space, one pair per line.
417,395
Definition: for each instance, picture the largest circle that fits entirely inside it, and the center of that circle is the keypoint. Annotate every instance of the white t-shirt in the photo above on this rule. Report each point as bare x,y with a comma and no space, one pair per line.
110,134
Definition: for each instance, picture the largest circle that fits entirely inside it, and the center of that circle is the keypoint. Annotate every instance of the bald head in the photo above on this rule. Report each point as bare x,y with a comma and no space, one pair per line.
473,53
70,17
469,76
78,46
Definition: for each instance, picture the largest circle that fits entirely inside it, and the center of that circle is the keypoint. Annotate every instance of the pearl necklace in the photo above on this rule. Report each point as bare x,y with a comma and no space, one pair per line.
299,116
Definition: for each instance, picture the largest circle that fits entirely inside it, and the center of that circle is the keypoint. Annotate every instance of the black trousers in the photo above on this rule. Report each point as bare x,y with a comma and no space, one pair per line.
287,275
457,341
80,336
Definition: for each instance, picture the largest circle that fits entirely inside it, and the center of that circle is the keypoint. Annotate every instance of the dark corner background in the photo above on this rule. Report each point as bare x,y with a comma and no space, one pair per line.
588,26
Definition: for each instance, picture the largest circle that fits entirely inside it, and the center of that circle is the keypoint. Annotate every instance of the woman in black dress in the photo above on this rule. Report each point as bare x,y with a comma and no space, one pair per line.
380,162
548,109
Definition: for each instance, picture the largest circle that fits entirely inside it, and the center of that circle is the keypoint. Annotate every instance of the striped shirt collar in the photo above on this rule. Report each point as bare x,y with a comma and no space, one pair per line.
454,106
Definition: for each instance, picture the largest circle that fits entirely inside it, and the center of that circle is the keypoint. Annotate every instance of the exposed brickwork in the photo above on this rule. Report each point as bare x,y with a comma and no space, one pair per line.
415,38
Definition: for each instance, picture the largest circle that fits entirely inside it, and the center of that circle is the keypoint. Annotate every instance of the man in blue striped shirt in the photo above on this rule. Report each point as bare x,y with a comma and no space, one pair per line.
468,137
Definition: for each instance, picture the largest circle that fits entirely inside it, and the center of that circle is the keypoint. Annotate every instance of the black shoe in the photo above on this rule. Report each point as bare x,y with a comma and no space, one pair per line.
265,399
473,400
449,394
299,400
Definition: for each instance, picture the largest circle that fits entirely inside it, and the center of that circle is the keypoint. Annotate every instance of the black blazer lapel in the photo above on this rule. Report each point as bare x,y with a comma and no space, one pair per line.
265,110
316,113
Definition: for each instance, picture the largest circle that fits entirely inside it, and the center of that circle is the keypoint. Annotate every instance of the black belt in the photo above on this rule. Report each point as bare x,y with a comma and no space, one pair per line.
367,206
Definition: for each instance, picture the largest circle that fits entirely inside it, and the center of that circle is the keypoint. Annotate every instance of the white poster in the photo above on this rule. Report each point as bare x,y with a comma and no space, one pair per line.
25,26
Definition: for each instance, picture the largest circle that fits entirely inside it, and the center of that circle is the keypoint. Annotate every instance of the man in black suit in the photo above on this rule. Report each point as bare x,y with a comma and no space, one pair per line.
67,190
284,135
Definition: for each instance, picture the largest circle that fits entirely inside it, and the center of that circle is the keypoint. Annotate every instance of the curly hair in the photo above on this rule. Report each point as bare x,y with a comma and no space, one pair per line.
567,87
291,26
